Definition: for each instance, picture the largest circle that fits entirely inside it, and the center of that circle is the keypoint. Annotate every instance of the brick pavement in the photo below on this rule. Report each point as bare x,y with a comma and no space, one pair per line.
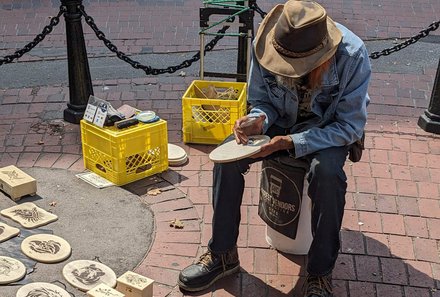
391,228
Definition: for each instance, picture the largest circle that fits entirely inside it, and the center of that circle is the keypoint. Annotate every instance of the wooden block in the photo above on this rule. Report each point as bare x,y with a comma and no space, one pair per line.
16,183
102,290
135,285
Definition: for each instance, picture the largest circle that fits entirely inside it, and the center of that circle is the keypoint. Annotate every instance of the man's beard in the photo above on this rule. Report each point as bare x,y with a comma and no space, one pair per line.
289,82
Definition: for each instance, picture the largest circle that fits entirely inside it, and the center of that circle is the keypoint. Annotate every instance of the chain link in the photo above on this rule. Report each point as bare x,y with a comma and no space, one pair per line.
255,7
434,26
135,64
40,37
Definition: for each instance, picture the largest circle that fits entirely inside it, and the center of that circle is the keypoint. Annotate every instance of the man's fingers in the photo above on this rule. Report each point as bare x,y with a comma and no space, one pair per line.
243,138
265,150
240,136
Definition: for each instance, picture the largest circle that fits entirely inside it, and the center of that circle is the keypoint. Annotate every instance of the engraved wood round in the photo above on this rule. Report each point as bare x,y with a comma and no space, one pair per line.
11,270
7,232
46,248
86,274
41,289
29,215
231,151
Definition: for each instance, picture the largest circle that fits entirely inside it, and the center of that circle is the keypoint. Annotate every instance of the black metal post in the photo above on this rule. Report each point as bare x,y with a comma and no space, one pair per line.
242,50
242,55
430,120
80,82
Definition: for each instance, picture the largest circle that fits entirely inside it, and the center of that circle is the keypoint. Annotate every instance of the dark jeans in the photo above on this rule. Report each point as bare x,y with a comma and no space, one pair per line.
327,188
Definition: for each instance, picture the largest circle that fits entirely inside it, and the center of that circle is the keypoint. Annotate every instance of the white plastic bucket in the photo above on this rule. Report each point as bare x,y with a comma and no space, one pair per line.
301,244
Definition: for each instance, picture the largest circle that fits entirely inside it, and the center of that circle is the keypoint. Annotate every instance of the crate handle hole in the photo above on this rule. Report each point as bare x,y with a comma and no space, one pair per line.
211,107
143,168
100,167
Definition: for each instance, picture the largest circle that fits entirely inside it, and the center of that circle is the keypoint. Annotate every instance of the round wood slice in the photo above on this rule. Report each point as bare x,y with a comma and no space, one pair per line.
231,151
178,162
46,248
42,289
86,274
11,270
175,152
7,232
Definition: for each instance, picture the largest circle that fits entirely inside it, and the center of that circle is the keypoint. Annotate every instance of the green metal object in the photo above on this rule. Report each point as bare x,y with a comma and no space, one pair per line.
228,5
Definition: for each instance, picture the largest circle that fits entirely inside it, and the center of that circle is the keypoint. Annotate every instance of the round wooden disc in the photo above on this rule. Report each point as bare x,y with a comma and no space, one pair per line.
175,152
231,151
178,162
41,289
11,270
85,274
46,248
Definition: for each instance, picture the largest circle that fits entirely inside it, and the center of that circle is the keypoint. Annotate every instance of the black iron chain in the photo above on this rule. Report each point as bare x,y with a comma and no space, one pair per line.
375,55
46,30
257,8
148,69
187,63
434,26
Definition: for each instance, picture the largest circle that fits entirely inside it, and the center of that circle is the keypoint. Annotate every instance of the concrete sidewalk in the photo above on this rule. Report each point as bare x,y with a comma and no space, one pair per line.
391,229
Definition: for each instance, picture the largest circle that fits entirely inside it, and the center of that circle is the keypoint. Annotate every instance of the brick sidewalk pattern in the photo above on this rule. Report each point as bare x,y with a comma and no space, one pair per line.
391,228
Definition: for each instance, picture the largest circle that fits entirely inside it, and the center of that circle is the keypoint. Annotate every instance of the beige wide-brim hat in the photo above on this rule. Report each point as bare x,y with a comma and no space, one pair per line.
295,38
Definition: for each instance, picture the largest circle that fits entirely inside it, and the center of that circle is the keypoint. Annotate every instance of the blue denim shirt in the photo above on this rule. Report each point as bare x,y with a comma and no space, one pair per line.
340,105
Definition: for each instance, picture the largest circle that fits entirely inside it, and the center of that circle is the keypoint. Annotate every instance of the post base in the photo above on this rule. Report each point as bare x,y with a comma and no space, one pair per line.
429,122
74,114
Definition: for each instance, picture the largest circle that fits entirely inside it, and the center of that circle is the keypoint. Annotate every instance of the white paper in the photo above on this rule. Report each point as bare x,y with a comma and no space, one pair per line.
90,112
95,180
101,114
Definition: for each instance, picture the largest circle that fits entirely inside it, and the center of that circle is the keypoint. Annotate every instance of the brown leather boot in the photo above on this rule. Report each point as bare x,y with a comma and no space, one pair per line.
318,286
208,269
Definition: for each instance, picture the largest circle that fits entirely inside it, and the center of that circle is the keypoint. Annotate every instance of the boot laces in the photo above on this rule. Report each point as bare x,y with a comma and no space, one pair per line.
208,258
318,285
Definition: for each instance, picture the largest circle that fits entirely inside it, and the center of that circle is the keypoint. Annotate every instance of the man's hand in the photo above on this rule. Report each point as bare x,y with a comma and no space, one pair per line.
277,143
248,125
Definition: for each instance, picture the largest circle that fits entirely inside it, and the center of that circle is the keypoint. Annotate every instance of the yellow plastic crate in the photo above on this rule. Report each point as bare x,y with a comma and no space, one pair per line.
127,155
210,121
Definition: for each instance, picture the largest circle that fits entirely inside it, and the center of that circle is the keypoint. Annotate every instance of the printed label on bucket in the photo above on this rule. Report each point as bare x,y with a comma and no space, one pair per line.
280,200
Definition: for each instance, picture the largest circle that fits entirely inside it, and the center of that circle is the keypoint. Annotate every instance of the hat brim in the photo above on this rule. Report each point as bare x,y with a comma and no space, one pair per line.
273,61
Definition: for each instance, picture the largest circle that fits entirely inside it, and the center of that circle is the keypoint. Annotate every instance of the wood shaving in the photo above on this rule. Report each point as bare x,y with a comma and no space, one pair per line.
176,223
154,192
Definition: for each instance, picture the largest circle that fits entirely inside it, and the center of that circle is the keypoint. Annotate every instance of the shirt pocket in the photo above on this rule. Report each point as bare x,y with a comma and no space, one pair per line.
274,88
324,100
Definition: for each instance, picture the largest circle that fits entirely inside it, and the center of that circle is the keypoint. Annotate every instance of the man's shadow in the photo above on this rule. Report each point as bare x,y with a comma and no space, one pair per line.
366,267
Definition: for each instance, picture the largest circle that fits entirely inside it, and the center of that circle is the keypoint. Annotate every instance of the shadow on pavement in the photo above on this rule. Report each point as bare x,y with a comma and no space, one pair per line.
379,273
